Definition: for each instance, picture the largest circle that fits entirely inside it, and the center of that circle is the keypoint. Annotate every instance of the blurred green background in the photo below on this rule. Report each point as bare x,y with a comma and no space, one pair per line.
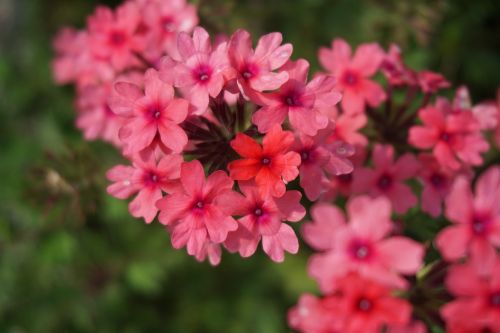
73,260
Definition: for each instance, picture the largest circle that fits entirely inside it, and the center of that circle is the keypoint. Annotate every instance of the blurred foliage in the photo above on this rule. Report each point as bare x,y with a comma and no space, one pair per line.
73,260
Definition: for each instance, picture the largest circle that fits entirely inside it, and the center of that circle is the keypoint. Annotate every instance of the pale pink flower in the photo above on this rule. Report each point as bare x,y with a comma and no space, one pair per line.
476,307
361,246
354,73
194,214
454,137
112,35
200,72
262,219
149,179
476,219
160,24
302,102
387,177
255,69
151,113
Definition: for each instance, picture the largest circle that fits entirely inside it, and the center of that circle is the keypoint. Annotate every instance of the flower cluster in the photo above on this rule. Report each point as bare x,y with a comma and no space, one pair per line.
227,142
220,135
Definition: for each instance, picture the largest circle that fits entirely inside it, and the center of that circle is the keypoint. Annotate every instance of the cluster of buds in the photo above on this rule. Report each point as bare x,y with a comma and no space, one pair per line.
227,144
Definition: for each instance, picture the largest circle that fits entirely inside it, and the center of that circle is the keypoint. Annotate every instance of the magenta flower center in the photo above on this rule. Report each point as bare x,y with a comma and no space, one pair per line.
350,78
437,180
153,112
364,304
384,182
249,71
202,73
445,137
117,38
360,250
199,204
151,178
495,299
480,225
167,23
292,99
258,212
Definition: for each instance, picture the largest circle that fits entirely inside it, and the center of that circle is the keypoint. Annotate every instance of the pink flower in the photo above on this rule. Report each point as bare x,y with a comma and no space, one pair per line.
476,219
149,179
194,214
395,70
112,35
360,306
353,74
272,164
75,63
453,137
200,73
262,218
315,315
151,113
347,129
317,156
484,113
303,102
255,69
431,82
387,177
210,250
361,246
476,307
161,22
436,181
95,117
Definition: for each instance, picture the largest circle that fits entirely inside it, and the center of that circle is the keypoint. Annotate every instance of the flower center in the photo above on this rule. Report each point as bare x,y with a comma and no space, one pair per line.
350,78
345,178
249,71
364,304
445,137
266,161
304,156
437,180
202,73
480,225
384,182
167,24
495,299
117,38
258,212
359,250
199,204
292,99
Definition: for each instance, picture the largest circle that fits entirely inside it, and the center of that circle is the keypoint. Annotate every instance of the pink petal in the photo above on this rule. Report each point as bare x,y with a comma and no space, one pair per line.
370,217
352,102
172,207
284,240
459,201
290,207
367,58
173,136
267,117
401,254
144,204
192,177
452,242
320,233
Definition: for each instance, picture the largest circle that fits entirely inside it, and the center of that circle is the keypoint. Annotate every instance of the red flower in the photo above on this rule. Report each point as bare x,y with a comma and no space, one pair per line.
272,164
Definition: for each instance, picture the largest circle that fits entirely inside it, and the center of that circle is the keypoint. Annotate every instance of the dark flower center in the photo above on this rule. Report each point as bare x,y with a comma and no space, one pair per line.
495,299
437,180
266,161
445,137
360,250
350,78
480,225
345,178
258,212
199,204
117,38
364,304
384,182
249,71
304,156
